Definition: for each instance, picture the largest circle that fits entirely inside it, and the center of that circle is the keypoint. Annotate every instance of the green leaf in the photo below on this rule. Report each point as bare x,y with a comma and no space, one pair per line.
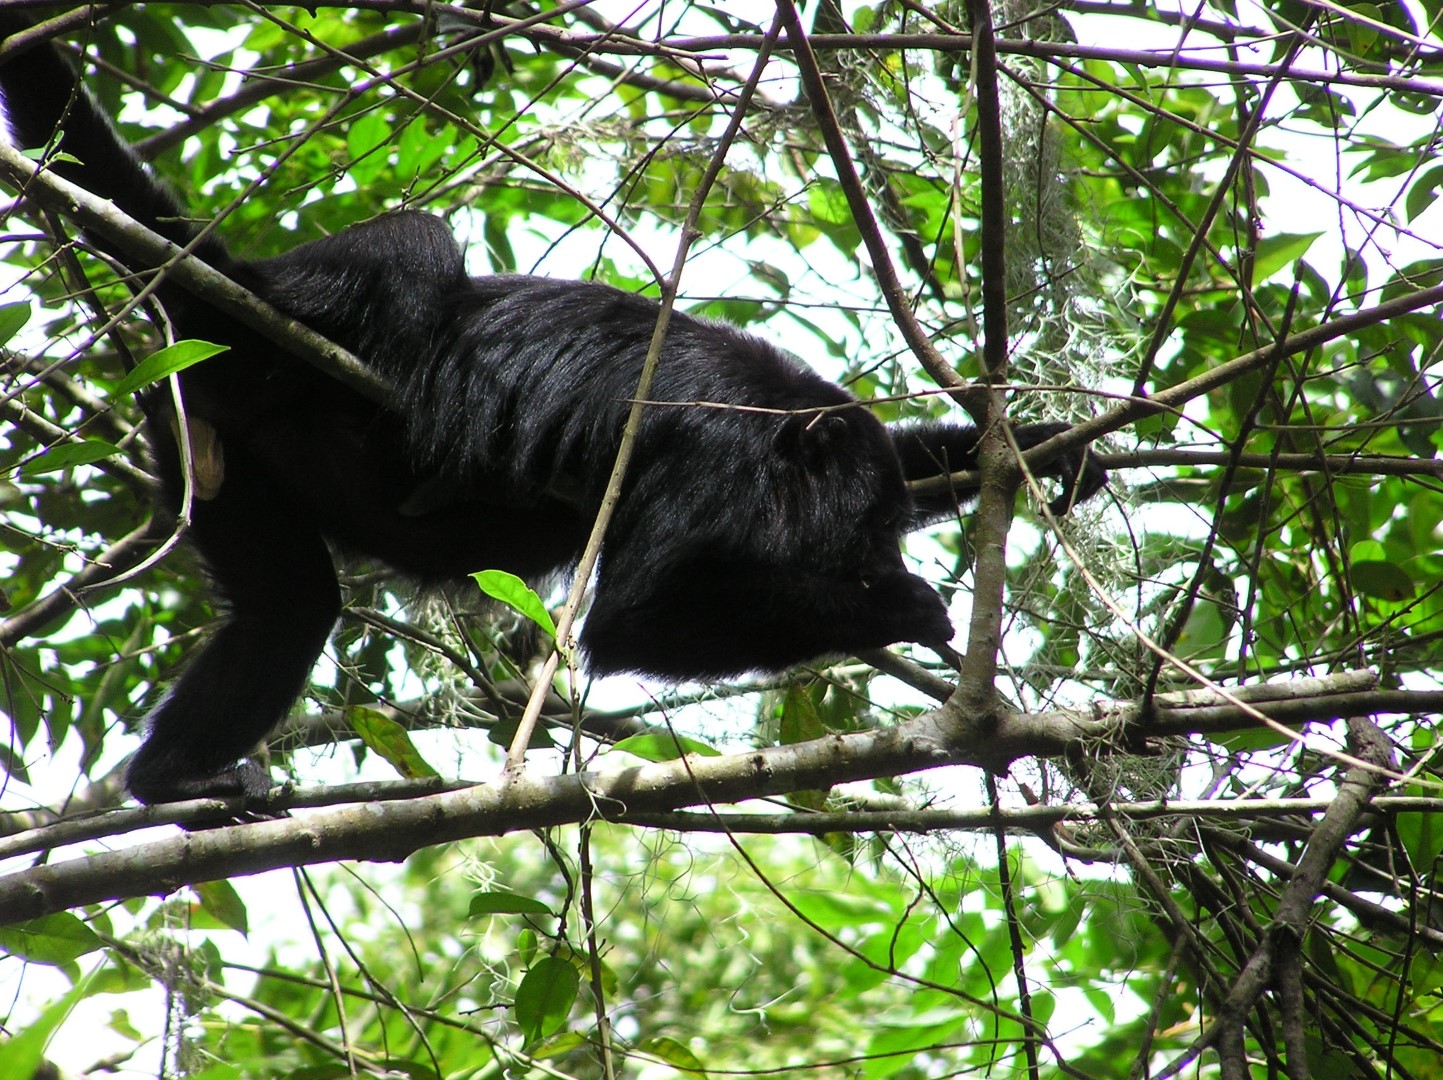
517,595
1276,253
13,318
500,902
221,901
1247,740
1367,550
1205,633
566,1044
545,997
1363,36
664,746
503,731
828,204
68,456
55,939
1382,580
1422,835
365,138
801,722
21,1056
675,1053
389,739
1423,192
166,362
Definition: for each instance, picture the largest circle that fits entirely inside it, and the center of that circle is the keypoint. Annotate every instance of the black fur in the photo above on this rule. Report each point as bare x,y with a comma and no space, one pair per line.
744,539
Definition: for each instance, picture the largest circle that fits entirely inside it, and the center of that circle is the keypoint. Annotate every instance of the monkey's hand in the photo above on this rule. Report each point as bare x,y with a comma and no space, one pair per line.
1078,471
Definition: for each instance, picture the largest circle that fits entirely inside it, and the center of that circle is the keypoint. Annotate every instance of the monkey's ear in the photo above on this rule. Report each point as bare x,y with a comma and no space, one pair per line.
810,439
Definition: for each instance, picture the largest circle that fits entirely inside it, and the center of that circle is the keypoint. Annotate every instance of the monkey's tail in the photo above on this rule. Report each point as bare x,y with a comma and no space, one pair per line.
42,96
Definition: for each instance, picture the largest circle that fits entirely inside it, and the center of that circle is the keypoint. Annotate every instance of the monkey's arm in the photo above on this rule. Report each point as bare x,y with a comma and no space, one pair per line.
934,449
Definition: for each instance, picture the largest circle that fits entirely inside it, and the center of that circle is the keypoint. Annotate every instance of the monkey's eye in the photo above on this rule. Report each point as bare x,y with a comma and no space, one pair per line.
867,580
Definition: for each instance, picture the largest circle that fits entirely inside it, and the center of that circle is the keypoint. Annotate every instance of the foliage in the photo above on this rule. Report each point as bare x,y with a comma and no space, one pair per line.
1174,217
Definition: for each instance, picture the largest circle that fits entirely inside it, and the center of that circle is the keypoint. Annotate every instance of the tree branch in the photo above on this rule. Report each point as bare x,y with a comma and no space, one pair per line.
392,831
103,219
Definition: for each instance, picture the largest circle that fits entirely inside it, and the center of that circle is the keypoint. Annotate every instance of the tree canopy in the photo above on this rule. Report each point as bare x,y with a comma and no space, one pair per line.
1177,813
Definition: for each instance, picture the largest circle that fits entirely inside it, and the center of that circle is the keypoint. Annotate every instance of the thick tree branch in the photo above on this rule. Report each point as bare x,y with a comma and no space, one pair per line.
392,831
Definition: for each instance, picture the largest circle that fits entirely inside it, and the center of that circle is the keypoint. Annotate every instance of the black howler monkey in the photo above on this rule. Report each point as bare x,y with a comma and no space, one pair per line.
746,539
